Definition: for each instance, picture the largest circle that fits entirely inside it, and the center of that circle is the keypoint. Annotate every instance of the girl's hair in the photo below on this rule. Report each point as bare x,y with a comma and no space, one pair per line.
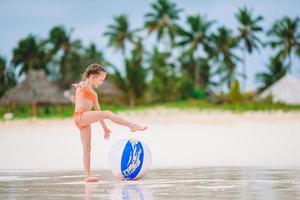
92,69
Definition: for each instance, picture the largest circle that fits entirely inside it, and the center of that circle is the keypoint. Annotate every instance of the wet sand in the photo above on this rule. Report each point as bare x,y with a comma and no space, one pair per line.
197,183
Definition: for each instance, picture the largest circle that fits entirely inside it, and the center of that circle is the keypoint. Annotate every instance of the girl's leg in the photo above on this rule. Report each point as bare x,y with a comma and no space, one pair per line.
89,117
85,134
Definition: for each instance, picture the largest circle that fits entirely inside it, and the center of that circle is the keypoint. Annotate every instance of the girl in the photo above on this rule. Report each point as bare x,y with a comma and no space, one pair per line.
85,99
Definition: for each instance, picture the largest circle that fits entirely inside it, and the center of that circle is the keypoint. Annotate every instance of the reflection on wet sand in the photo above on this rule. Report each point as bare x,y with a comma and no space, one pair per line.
121,190
199,183
128,190
89,188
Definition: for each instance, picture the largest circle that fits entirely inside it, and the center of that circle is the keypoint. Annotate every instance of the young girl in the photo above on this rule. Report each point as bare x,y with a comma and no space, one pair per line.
85,99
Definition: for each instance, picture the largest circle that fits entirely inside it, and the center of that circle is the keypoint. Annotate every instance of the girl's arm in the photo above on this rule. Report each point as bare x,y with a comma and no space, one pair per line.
106,130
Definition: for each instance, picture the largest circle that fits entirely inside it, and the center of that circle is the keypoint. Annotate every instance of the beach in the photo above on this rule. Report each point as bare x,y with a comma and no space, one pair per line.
176,138
195,155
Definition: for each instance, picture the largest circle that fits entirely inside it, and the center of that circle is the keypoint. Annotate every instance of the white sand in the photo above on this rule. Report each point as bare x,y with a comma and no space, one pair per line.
176,138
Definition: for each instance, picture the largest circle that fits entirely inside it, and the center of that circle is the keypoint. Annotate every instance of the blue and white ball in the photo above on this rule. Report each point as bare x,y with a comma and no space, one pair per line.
129,159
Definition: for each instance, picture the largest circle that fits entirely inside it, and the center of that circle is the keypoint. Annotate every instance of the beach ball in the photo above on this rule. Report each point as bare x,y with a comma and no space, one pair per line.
129,159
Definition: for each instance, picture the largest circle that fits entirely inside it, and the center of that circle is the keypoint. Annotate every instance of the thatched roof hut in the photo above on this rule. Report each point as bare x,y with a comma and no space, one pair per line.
109,92
35,89
285,90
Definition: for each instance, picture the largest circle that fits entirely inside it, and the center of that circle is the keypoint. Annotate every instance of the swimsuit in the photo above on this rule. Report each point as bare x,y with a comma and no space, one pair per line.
77,117
87,94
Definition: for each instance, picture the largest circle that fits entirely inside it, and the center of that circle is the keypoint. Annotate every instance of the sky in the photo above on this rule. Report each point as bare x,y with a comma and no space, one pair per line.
90,19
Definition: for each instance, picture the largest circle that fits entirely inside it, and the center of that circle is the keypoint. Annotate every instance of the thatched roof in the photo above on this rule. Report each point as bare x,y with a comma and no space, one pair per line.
108,88
285,90
35,88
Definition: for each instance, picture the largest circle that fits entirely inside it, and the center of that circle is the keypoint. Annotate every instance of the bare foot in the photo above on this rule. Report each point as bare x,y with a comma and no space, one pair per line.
120,176
136,127
91,179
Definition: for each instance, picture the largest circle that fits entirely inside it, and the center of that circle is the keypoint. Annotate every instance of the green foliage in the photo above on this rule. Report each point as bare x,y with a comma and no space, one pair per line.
196,61
162,19
65,51
193,40
133,82
119,33
93,55
275,70
234,92
248,29
197,36
163,83
199,93
55,111
225,44
30,53
7,78
285,36
233,107
184,87
248,33
51,111
268,99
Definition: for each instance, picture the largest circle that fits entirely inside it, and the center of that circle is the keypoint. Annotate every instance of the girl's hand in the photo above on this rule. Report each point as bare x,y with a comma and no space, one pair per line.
106,133
76,85
81,84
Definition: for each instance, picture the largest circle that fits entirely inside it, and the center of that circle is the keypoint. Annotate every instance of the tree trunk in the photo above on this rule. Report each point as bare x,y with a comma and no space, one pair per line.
244,69
197,71
290,64
34,109
9,107
131,99
166,43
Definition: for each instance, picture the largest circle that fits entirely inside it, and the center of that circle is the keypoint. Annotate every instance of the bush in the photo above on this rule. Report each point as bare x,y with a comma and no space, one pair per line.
235,93
199,93
185,88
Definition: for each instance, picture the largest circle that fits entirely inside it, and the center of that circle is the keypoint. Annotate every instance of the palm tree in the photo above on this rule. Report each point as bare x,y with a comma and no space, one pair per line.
275,70
248,30
93,55
30,54
133,83
163,76
67,50
7,79
286,38
225,44
188,65
119,33
195,38
2,75
162,19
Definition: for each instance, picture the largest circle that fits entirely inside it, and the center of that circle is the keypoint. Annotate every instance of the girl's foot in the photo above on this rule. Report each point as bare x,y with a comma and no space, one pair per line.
135,127
91,179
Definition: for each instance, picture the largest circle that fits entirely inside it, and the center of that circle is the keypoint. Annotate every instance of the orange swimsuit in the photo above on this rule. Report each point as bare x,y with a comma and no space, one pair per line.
88,94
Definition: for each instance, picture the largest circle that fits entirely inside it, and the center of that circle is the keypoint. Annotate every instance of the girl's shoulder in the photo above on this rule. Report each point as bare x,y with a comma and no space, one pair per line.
83,87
